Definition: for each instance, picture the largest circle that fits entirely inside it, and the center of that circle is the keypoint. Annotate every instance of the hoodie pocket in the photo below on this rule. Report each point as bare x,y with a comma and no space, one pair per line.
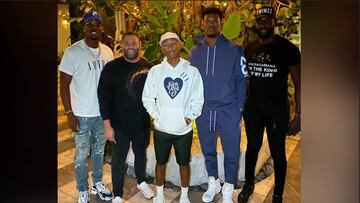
171,119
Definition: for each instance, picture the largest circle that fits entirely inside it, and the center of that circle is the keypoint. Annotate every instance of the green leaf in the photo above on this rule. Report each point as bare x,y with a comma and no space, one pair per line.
239,40
284,12
189,42
231,28
158,8
244,15
244,12
173,18
153,21
109,11
292,5
250,6
152,50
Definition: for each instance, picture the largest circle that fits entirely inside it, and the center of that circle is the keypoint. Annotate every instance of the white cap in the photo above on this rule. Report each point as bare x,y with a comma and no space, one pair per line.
168,35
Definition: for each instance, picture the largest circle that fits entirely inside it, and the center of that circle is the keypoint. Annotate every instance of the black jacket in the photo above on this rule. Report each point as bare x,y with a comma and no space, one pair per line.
120,91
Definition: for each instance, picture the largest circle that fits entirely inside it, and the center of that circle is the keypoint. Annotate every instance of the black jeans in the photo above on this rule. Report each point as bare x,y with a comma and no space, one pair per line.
275,117
139,143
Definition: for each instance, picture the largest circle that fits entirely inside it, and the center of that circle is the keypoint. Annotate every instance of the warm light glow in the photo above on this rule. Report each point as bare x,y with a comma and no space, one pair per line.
66,14
65,23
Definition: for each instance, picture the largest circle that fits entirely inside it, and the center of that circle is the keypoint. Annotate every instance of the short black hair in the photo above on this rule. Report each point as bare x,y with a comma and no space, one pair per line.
212,10
130,33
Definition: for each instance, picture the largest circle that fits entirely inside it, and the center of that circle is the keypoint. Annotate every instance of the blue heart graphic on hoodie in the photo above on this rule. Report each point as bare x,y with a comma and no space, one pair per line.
173,87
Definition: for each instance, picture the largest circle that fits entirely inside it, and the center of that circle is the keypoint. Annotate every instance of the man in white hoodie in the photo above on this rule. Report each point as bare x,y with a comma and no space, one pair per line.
173,95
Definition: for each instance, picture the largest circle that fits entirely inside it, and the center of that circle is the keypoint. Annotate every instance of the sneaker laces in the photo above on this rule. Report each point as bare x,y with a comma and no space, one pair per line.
83,196
101,188
144,187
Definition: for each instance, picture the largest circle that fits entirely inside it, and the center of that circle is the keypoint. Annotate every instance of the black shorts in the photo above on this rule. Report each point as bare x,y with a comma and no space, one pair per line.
182,144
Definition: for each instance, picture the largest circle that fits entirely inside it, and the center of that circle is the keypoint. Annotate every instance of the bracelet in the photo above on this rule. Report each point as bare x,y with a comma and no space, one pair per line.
67,112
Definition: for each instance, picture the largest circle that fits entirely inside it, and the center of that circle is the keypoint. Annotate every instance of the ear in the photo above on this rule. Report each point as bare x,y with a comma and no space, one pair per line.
202,24
162,50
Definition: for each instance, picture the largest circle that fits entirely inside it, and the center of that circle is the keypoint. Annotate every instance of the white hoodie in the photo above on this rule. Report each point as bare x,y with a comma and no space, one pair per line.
172,93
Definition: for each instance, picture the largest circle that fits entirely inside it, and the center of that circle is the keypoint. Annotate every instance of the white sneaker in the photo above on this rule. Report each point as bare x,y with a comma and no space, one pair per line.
158,199
184,200
214,187
83,197
227,192
146,190
100,189
117,199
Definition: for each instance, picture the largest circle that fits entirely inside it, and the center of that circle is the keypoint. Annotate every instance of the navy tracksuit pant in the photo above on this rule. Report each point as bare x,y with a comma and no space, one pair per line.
227,123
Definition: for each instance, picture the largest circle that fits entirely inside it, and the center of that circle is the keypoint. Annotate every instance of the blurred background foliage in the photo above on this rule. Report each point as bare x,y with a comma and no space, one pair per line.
152,18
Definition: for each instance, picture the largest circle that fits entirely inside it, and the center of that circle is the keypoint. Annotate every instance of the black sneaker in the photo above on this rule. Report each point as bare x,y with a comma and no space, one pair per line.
245,193
277,199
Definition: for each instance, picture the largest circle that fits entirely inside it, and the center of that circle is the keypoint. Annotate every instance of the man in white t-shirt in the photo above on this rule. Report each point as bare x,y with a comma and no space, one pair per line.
80,70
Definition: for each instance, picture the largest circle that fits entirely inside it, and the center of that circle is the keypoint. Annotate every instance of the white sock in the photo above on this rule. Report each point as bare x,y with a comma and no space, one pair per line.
184,192
160,190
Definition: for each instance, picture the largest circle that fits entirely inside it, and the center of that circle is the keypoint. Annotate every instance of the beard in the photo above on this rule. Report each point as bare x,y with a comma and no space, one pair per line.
131,53
264,35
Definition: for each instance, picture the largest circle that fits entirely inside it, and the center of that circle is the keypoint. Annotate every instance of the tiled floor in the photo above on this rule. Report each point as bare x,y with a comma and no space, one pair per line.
67,186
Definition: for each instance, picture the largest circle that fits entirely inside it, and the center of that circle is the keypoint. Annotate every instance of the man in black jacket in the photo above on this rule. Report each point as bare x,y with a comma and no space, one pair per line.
125,119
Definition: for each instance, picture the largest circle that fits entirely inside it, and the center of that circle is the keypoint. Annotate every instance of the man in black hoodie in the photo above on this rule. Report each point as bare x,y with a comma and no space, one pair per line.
125,119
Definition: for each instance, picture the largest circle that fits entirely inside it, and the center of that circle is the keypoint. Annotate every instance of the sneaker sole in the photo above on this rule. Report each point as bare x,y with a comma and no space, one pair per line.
87,201
94,192
146,197
245,200
217,192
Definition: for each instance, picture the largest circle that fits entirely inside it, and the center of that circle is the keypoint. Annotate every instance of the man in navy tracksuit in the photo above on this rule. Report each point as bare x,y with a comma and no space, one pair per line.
223,69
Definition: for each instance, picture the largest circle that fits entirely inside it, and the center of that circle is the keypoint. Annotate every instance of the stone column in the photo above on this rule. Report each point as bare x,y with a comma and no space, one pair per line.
120,24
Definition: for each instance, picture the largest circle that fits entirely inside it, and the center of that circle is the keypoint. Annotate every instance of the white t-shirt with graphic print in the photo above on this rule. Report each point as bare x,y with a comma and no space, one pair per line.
85,67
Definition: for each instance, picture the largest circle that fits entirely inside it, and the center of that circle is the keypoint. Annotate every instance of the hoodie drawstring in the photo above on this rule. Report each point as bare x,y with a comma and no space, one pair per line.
213,61
207,60
214,122
210,121
213,67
